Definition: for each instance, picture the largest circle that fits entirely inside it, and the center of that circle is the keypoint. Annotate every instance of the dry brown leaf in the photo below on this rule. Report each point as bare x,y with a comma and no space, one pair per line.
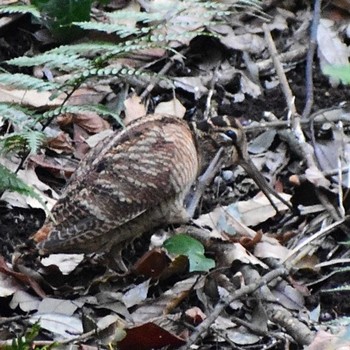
172,107
62,143
30,97
259,209
91,122
270,248
134,108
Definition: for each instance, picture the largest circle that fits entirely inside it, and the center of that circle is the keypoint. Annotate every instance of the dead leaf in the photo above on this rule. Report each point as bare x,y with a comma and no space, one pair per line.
149,336
25,301
66,327
259,209
331,50
26,280
136,295
270,248
66,263
195,315
30,97
134,109
62,143
152,263
172,107
8,285
316,177
91,122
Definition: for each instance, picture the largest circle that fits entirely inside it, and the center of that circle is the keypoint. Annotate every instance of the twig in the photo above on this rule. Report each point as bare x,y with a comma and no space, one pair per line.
323,232
205,325
163,71
210,93
307,150
279,70
310,58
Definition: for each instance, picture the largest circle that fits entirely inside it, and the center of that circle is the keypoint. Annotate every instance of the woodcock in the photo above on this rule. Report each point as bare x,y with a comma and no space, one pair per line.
141,178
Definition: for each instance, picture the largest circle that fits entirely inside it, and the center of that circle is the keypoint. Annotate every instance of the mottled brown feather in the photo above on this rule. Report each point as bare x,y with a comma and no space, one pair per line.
128,184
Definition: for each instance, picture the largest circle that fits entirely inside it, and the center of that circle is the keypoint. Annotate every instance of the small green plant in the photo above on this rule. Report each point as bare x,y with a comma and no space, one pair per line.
191,248
26,342
339,72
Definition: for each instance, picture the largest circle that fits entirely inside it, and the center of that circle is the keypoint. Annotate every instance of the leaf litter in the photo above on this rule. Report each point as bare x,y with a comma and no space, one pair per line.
240,230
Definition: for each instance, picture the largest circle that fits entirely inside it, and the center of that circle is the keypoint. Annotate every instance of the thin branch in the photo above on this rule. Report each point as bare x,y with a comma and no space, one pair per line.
205,325
310,58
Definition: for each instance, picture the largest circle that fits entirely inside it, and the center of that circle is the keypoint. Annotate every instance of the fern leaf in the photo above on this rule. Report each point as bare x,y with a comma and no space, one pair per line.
9,181
121,30
18,141
97,108
51,60
20,9
26,82
16,113
144,17
34,140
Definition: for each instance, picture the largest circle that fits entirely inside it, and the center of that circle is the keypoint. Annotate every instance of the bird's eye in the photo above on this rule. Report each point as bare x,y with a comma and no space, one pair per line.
232,135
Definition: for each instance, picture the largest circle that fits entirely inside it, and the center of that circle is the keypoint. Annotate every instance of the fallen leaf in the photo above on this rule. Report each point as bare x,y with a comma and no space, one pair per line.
134,109
149,336
66,263
172,107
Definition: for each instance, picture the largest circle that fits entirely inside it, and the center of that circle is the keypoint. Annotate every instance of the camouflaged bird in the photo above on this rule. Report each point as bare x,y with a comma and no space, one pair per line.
139,179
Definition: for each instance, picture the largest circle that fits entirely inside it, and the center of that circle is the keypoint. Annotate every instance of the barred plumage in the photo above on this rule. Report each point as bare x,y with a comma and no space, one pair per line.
137,180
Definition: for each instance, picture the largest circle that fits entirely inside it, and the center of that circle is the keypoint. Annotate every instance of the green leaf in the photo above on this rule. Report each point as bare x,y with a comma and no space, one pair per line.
58,16
193,249
20,9
340,72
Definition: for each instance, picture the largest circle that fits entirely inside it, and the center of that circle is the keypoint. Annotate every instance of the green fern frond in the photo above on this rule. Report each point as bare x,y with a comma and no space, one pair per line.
121,30
117,71
31,9
30,140
104,51
16,113
97,108
51,60
9,181
26,82
34,140
144,17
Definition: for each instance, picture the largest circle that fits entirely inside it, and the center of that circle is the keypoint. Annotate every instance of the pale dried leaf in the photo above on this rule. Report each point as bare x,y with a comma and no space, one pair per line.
193,85
66,263
251,43
30,97
29,176
136,295
289,297
59,306
8,285
66,327
238,252
242,336
134,109
153,309
93,140
172,107
331,50
316,177
27,302
249,87
259,208
270,248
